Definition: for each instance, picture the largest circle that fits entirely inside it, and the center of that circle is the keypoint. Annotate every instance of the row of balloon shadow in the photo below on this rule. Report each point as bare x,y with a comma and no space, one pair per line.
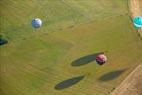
80,62
83,61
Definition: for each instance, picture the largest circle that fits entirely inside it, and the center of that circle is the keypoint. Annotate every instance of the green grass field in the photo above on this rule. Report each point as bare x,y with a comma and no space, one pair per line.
34,62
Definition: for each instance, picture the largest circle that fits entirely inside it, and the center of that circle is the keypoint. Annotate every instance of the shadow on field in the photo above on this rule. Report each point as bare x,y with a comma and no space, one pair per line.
85,60
3,42
68,83
111,75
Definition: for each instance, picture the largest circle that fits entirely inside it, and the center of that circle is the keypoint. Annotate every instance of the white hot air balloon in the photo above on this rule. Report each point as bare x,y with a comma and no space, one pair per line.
36,23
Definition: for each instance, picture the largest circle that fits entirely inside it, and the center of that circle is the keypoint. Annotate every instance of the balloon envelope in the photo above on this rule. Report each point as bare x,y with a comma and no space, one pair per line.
36,23
137,21
101,59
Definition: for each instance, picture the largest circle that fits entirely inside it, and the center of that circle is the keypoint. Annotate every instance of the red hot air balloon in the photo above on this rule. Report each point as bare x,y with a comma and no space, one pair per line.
101,59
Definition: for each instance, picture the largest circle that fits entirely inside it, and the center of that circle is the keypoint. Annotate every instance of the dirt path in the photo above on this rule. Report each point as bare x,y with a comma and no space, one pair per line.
136,10
132,85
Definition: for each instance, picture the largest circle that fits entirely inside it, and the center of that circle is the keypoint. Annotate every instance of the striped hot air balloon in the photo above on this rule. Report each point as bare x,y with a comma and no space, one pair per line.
137,22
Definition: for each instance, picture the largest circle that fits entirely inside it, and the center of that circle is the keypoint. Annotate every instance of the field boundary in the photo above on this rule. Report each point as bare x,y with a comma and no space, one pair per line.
127,82
135,9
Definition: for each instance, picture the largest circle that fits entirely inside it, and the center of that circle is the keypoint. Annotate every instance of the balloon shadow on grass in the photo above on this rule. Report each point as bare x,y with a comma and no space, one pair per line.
3,42
68,83
111,75
85,59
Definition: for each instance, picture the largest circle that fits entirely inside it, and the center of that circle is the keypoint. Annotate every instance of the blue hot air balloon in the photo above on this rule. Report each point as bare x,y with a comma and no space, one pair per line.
137,21
36,23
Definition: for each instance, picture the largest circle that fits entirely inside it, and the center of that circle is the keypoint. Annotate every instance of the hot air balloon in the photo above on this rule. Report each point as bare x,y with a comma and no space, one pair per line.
101,59
36,23
137,21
